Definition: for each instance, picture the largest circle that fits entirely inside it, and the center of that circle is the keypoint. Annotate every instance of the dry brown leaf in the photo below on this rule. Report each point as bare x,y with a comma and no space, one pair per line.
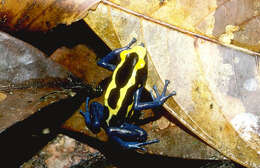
209,18
217,87
42,15
26,77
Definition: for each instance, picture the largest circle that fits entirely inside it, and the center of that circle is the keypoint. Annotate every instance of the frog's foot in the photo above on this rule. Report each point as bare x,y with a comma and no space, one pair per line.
93,117
133,145
129,136
160,99
157,101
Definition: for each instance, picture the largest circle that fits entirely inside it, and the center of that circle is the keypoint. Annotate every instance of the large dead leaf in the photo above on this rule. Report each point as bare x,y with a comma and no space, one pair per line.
235,22
217,87
41,15
27,78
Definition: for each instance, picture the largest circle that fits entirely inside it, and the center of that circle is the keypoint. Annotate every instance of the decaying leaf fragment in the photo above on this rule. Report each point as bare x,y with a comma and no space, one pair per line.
27,78
2,96
217,87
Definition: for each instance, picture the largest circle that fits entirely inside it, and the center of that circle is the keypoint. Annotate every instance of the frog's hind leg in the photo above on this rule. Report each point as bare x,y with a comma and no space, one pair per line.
94,118
105,62
129,136
157,101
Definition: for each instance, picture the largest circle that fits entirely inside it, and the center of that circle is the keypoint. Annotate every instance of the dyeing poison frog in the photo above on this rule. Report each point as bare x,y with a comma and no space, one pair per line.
122,98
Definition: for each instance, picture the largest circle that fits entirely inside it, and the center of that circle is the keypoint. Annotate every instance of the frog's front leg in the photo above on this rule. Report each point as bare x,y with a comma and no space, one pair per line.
157,101
129,136
105,61
94,118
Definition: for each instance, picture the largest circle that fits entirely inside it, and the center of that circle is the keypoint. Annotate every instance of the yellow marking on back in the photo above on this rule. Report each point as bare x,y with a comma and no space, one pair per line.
141,52
129,108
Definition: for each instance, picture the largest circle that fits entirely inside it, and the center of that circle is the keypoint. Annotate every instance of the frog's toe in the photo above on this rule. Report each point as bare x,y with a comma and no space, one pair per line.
167,82
163,97
135,145
139,145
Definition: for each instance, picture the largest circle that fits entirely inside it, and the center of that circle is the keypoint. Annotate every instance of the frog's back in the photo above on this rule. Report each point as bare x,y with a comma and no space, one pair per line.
129,74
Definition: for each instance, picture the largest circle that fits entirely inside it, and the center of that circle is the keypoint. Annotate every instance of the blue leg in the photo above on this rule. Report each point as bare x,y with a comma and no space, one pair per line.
129,136
105,61
158,101
94,118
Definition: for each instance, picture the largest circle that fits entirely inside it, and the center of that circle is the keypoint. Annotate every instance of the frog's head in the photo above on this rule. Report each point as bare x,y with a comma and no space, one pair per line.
138,51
